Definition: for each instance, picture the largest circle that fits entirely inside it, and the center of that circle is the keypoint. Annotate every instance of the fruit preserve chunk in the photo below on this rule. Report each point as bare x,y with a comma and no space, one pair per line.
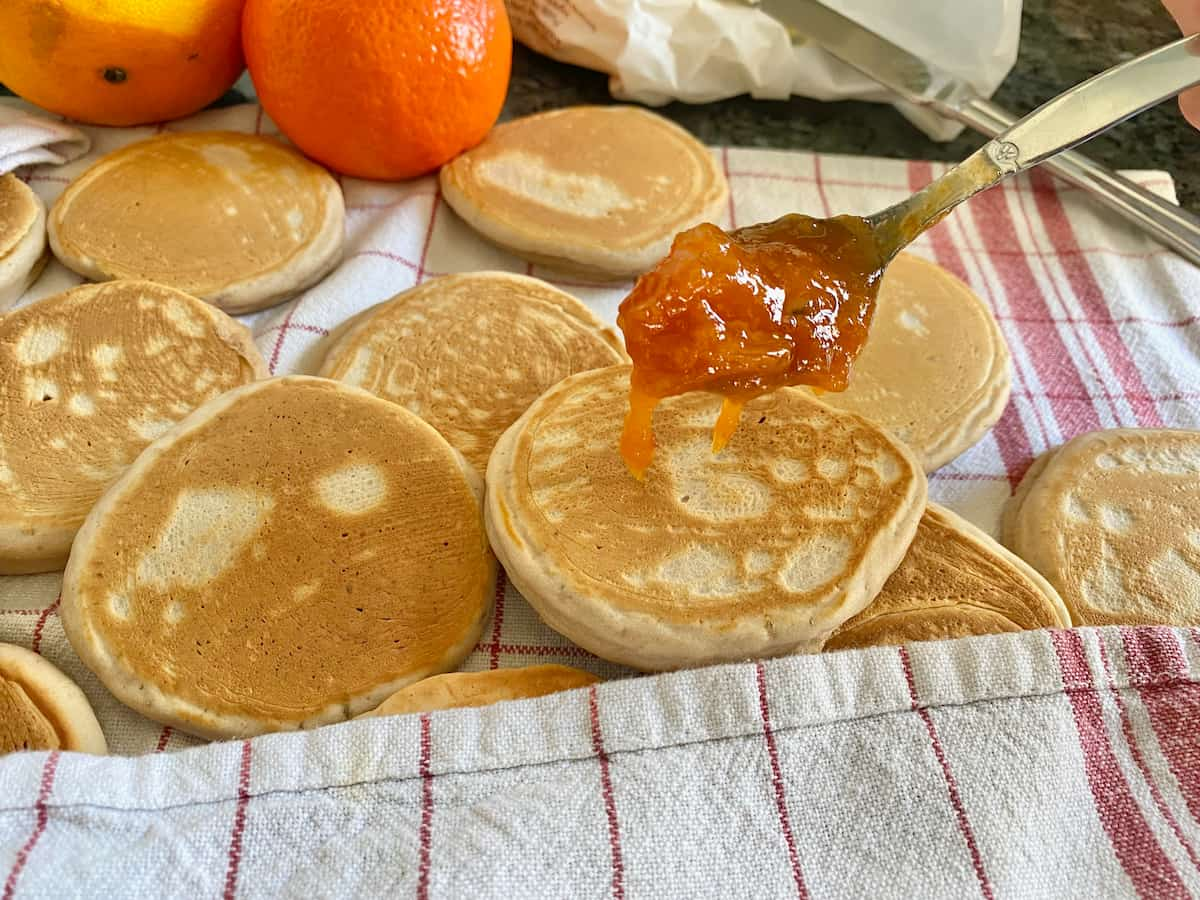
745,312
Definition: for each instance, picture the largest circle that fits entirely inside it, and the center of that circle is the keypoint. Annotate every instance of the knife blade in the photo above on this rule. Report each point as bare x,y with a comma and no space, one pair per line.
915,80
892,66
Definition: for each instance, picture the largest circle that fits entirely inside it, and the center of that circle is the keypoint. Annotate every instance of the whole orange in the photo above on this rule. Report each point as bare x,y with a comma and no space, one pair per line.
120,62
381,89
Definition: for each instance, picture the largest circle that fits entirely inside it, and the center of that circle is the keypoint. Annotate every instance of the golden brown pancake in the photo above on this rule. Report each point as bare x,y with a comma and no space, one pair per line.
936,369
293,553
1112,520
760,550
955,581
460,689
469,353
88,378
240,221
41,708
22,238
598,190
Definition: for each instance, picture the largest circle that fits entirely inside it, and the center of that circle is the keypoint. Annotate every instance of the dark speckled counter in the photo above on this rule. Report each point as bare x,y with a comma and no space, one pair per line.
1062,43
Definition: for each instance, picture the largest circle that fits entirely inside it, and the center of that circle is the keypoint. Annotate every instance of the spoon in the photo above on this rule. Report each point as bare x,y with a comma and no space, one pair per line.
1075,116
790,302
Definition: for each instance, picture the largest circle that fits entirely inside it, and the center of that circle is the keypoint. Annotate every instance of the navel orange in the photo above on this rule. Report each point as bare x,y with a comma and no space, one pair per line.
381,89
120,62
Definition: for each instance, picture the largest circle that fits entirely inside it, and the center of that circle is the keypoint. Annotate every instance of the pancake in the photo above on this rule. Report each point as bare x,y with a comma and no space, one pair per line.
469,353
461,689
88,378
1110,519
22,238
955,581
240,221
760,550
596,190
41,708
1008,516
936,369
290,555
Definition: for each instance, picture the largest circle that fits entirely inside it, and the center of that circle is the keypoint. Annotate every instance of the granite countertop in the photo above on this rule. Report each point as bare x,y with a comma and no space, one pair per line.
1062,43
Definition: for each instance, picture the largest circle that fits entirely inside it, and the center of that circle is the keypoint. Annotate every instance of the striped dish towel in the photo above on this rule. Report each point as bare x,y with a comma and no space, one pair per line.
1038,764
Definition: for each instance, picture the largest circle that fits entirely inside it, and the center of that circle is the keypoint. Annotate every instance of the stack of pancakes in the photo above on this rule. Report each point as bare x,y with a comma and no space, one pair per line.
246,555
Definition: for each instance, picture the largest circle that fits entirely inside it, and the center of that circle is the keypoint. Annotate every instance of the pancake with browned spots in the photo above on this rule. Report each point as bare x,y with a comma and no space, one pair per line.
88,378
759,550
290,555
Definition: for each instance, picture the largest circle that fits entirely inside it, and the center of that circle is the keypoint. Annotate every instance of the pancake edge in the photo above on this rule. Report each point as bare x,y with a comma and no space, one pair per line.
147,698
642,641
969,533
519,683
58,698
589,260
27,549
1012,506
21,266
980,412
305,267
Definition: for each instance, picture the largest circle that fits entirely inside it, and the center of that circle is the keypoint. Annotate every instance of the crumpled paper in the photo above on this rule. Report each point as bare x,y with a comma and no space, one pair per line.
703,50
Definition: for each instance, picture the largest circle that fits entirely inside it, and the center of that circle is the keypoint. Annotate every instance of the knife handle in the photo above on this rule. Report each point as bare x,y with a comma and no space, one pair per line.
1169,224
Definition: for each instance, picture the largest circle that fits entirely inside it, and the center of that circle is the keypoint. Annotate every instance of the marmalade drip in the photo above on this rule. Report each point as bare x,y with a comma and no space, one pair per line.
742,313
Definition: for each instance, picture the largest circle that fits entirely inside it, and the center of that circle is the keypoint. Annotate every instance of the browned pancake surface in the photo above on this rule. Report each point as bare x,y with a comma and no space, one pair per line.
88,378
199,211
469,353
301,550
1110,519
23,726
954,581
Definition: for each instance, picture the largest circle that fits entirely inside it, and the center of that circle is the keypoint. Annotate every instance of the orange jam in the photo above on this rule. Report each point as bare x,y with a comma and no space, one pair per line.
742,313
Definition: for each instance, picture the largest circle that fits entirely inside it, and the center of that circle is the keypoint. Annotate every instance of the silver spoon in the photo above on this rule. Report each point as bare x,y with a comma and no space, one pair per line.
1069,119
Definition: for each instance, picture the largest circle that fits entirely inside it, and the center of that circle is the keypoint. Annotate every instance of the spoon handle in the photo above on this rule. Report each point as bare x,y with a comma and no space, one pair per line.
1069,119
1167,223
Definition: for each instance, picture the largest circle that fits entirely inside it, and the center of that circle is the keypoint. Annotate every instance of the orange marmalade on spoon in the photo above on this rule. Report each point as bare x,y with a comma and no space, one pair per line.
742,313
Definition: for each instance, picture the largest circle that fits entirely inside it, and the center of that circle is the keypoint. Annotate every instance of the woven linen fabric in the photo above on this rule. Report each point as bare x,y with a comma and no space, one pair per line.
1043,764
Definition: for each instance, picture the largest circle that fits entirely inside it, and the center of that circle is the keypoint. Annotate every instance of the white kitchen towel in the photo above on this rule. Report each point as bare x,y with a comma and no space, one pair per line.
1034,764
1039,764
31,137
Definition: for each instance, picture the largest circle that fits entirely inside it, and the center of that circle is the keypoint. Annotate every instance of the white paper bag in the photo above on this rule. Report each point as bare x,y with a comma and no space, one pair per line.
702,50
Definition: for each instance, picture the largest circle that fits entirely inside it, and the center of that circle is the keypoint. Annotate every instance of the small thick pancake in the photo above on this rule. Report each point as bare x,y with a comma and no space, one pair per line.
597,190
460,689
955,581
1112,520
935,371
22,238
290,555
760,550
237,220
41,708
469,353
88,378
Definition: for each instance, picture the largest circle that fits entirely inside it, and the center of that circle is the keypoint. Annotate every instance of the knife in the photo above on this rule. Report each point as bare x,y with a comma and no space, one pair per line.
918,82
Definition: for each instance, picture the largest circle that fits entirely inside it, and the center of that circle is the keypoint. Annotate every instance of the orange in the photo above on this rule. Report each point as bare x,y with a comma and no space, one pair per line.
381,89
120,62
